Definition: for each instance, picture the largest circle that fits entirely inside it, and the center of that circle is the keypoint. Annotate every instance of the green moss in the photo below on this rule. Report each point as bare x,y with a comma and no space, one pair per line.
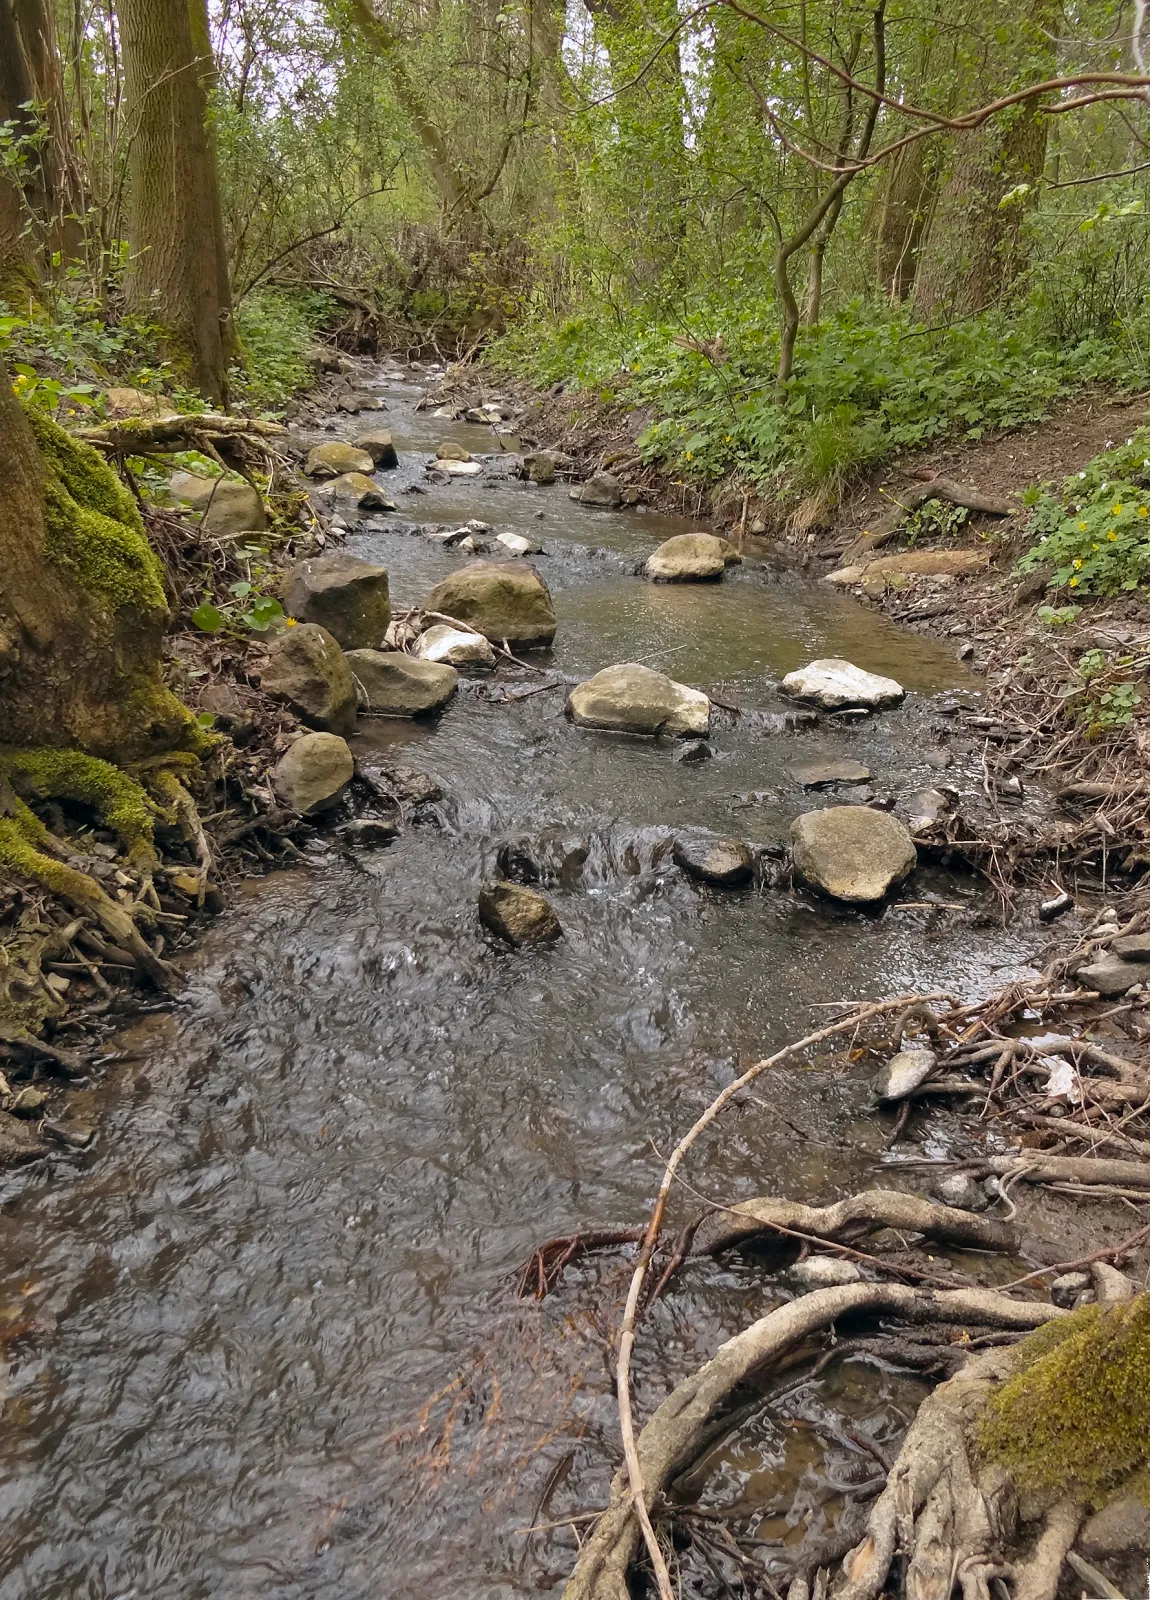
92,526
1077,1417
118,801
23,839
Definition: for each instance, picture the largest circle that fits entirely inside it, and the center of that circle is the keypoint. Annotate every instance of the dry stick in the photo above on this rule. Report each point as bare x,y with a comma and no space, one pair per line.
651,1237
1086,1261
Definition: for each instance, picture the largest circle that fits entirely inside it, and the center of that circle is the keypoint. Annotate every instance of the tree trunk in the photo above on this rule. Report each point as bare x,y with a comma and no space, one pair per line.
23,199
62,183
905,201
176,278
82,607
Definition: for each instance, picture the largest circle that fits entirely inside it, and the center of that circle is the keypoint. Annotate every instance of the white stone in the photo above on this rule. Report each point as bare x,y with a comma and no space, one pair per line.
835,684
822,1272
454,646
518,545
457,469
631,698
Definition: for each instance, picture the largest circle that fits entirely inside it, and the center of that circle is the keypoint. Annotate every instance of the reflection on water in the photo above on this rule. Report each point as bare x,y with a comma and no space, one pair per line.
278,1353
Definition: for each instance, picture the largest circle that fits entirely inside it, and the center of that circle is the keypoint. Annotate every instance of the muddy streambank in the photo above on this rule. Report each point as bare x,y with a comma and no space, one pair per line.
263,1337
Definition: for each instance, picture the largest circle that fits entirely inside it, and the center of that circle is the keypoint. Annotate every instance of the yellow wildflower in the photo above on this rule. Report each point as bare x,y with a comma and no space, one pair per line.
1144,511
1082,525
289,622
690,455
1116,511
1112,536
1074,583
1078,564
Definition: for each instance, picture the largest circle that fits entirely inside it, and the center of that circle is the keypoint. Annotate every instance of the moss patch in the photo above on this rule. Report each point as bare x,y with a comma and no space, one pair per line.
1077,1417
93,529
118,801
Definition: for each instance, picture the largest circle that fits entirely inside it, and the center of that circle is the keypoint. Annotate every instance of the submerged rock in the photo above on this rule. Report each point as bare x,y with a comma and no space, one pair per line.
378,444
851,853
964,1193
517,914
698,750
903,1074
726,863
822,774
502,600
601,489
630,698
391,684
835,685
690,558
408,786
313,773
225,505
358,490
307,668
346,596
455,646
335,458
18,1142
369,833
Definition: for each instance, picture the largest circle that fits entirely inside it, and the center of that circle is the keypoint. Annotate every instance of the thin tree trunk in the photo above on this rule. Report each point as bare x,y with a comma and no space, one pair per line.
174,233
906,198
62,181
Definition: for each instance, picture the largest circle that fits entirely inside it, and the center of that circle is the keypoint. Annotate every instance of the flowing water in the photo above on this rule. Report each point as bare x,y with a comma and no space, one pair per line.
279,1352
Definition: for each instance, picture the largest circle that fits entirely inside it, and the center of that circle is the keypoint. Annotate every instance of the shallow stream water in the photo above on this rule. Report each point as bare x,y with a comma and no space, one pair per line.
280,1350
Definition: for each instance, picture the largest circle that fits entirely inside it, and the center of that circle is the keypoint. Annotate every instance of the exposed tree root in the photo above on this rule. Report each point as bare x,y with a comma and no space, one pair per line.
851,1219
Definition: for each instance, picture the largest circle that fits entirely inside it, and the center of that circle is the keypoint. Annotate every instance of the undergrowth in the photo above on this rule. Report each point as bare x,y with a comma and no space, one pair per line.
1094,534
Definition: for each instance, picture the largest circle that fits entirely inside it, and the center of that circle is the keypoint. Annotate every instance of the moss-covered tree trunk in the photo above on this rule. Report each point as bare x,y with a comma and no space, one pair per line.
178,272
82,607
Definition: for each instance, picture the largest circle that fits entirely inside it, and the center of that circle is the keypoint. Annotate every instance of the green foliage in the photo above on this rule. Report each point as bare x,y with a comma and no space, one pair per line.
118,801
1095,535
276,330
934,521
1108,697
249,610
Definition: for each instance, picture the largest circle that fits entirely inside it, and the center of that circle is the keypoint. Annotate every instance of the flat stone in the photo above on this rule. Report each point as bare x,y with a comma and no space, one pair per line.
845,577
369,833
353,400
226,505
346,596
517,914
925,808
821,774
601,489
835,685
851,853
1121,1528
630,698
518,544
1134,947
691,558
333,459
726,863
1111,1287
928,564
903,1074
390,684
358,490
18,1142
457,469
822,1272
307,668
313,773
1110,976
502,600
378,444
455,647
76,1135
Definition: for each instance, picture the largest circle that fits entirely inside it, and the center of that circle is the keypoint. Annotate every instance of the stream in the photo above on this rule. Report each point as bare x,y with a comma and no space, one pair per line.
280,1352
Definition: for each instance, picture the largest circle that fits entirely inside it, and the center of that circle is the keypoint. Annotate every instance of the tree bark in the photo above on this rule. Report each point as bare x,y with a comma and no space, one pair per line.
176,277
82,607
905,200
60,178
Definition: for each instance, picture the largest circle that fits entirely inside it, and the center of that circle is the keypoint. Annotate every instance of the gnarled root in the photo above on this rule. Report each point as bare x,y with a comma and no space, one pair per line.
851,1219
670,1439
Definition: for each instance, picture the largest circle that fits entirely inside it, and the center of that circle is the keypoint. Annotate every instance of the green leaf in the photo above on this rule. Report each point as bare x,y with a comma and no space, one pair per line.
263,614
206,719
208,618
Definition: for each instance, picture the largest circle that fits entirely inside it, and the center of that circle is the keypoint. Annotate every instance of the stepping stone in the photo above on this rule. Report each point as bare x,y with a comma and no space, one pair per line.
838,685
821,774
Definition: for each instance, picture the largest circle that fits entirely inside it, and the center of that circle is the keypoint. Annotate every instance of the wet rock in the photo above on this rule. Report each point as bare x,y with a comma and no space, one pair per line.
445,536
455,647
517,864
542,466
410,787
822,774
457,469
835,685
346,596
357,489
1111,976
601,489
517,914
630,698
313,773
76,1135
1057,906
1134,947
821,1272
519,545
225,505
903,1074
726,863
28,1102
390,684
851,853
17,1141
502,600
1064,1290
307,668
353,400
378,444
690,558
691,754
1111,1287
449,450
334,459
938,758
925,808
1121,1528
369,833
960,1190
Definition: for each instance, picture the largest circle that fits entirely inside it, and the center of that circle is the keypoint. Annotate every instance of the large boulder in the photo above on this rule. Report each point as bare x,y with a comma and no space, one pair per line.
346,596
517,914
601,489
837,685
357,490
307,668
691,558
630,698
503,600
312,773
378,444
335,458
455,646
391,684
226,505
851,853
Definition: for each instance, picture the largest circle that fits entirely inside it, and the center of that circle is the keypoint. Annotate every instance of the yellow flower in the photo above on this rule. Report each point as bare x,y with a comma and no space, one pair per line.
1116,511
690,455
1074,583
1082,525
1078,564
1112,536
1144,511
289,622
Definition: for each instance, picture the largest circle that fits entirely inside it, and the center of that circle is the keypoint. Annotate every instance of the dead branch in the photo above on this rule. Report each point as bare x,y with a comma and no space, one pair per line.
134,435
852,1219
